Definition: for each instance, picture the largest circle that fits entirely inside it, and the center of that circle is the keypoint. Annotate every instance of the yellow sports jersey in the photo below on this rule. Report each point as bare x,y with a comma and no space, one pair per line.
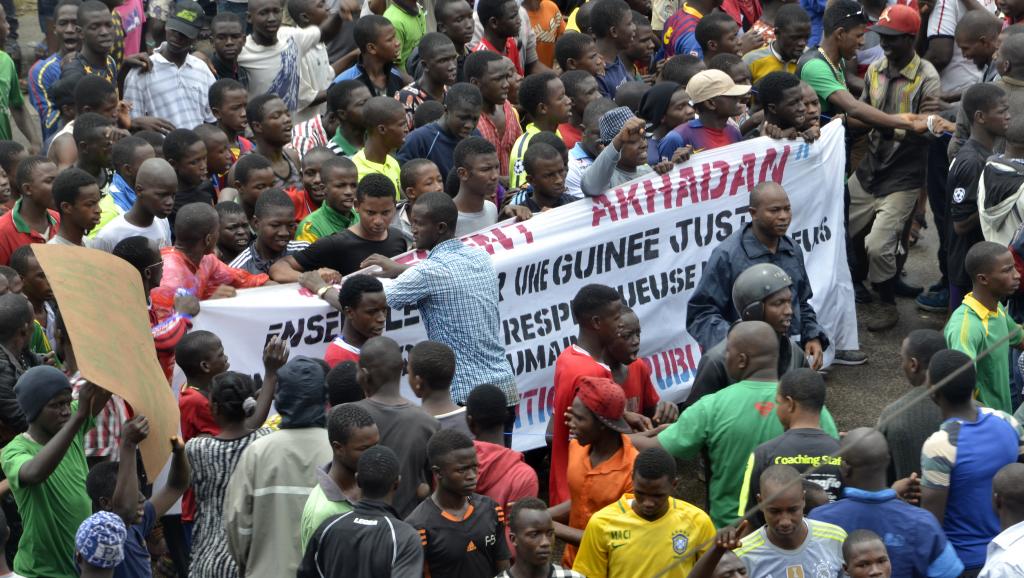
619,543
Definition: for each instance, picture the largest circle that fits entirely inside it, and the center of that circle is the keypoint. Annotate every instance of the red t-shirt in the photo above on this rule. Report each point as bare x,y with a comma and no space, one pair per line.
196,420
572,363
338,351
511,50
639,388
570,134
303,204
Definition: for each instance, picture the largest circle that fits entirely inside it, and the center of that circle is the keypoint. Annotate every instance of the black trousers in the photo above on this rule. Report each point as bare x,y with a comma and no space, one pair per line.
938,170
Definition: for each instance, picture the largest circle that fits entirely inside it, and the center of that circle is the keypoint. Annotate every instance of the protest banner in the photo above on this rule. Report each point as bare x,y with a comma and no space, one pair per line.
104,310
649,238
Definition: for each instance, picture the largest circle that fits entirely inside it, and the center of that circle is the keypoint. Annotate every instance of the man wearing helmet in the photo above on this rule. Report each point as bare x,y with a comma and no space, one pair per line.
761,293
763,240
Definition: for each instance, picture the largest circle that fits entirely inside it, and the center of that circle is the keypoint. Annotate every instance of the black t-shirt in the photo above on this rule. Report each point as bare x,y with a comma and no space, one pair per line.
344,251
803,449
962,200
467,548
201,193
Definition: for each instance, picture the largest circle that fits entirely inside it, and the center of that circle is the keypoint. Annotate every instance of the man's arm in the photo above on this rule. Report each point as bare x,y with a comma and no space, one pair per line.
846,102
62,151
275,355
29,126
286,270
810,329
940,51
728,538
934,500
36,470
125,500
709,302
178,479
938,457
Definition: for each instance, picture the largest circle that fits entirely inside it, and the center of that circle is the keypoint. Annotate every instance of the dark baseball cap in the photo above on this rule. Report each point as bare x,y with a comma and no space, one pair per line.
186,18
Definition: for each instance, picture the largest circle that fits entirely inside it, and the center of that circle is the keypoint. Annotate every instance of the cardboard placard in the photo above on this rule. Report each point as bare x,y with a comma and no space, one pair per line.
102,303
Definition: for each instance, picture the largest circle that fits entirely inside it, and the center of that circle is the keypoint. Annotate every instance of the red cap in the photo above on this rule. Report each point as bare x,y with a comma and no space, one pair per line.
896,20
605,399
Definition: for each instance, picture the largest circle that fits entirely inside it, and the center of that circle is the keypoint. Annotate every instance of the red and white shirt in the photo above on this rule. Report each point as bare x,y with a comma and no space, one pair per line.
339,351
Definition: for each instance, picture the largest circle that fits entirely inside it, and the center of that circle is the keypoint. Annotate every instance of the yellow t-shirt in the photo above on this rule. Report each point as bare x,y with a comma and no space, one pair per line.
571,23
516,170
618,542
764,61
390,169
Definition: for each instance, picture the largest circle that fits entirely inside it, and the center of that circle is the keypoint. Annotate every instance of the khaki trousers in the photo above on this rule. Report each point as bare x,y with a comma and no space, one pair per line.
887,216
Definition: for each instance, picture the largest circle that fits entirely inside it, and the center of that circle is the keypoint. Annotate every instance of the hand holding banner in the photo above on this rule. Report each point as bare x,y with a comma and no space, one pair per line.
103,308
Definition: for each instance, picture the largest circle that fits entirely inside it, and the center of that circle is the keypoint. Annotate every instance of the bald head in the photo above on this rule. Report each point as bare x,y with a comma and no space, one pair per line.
752,346
380,363
865,448
1008,487
156,173
767,193
1012,51
977,24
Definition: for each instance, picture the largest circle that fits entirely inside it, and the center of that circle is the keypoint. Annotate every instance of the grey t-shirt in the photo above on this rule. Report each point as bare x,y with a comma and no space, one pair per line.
405,429
820,556
906,425
472,222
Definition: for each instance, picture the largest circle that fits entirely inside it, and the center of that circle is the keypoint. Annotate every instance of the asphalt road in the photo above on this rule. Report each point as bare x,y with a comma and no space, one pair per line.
856,395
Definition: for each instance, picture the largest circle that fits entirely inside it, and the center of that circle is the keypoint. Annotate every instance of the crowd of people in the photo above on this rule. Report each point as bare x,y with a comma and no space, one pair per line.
218,146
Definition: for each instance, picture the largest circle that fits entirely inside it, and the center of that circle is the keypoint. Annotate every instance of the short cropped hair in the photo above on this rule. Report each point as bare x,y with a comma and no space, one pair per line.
344,419
444,442
592,298
960,387
805,386
434,362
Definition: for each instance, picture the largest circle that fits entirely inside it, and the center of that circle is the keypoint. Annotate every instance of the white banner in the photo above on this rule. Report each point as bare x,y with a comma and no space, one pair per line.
649,238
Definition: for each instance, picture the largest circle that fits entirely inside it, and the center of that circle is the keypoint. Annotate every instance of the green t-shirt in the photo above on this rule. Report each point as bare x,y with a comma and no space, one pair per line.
51,511
10,94
823,79
730,424
973,328
318,508
409,28
323,222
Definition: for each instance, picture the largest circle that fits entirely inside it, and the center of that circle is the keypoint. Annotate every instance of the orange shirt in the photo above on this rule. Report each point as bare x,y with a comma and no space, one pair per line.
548,25
592,488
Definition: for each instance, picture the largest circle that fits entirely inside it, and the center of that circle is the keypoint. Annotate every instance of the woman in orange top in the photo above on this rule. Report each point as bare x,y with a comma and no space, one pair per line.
600,458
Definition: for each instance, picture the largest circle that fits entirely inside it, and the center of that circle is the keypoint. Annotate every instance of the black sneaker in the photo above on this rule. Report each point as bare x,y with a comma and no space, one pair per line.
902,289
850,357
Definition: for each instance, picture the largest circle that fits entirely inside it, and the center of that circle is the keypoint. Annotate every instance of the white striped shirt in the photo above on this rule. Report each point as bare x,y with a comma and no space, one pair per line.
250,260
179,95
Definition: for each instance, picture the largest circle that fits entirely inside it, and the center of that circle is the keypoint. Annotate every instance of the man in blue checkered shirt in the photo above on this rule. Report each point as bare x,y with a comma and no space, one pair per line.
456,291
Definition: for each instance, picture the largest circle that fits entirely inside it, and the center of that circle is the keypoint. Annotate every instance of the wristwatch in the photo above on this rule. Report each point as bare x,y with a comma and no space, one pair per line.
323,291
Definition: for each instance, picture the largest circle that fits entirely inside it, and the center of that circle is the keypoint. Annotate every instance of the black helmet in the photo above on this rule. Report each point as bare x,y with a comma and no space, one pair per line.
754,285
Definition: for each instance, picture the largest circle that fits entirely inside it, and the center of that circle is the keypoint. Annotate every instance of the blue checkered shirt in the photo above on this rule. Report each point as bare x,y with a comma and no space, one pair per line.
456,291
